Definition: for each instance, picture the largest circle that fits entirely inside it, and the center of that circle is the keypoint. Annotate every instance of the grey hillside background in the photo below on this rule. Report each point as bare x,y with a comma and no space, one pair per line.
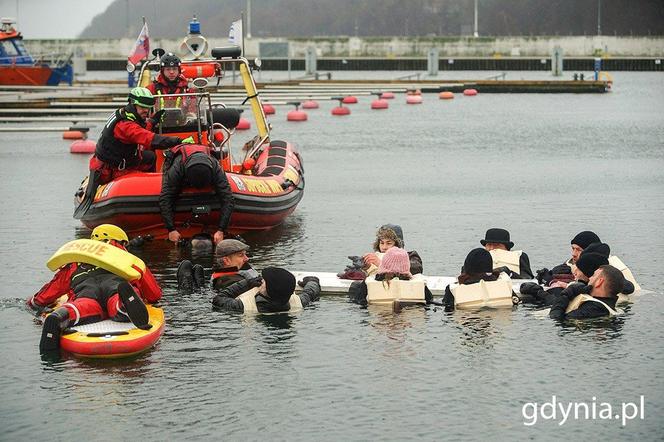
424,18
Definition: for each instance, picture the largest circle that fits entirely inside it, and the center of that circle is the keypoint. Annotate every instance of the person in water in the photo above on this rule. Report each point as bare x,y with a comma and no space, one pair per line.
593,257
563,272
231,265
273,292
387,236
395,265
519,263
596,299
93,294
192,166
478,266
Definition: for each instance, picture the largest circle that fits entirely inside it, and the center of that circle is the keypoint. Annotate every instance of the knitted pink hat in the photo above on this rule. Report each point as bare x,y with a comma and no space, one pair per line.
395,261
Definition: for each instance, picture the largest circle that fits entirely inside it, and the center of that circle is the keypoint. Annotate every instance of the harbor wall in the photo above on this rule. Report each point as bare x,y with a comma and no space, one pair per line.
379,47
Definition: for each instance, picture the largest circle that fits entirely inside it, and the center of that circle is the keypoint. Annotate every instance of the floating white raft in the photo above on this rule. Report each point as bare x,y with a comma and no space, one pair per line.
330,284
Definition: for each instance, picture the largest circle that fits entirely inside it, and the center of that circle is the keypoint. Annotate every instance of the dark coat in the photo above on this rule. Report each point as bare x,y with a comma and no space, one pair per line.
587,310
226,301
173,180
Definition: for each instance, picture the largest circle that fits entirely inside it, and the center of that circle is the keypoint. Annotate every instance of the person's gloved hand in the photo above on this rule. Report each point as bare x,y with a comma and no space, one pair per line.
529,288
577,288
255,282
139,241
188,140
307,279
156,118
544,275
165,142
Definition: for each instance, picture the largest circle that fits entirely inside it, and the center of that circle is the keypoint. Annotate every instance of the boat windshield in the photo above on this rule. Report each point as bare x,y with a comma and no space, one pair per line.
182,111
13,52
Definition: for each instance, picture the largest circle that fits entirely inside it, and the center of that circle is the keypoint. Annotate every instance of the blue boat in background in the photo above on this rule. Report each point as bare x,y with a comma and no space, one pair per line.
18,67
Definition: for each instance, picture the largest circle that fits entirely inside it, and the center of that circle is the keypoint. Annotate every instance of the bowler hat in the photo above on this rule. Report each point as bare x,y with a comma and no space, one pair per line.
498,236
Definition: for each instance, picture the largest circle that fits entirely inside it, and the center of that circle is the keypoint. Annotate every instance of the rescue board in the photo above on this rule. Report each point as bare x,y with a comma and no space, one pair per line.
112,340
331,284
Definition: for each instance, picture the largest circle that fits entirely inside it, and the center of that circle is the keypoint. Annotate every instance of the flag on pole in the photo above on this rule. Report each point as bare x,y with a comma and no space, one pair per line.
142,46
235,33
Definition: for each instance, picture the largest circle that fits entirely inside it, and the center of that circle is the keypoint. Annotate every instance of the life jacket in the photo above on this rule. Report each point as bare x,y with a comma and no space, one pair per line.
384,292
507,258
627,273
248,299
112,151
580,299
186,150
161,86
484,293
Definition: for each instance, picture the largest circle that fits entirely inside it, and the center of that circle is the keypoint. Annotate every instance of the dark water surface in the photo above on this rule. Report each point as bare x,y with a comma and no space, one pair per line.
543,166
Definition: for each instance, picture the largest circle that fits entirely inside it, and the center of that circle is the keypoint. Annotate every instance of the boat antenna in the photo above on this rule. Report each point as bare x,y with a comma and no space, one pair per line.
243,32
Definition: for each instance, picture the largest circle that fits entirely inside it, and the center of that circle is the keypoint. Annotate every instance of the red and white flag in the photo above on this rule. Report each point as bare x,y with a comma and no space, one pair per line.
141,48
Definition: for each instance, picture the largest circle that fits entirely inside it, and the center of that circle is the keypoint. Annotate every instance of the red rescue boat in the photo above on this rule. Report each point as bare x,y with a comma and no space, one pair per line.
267,183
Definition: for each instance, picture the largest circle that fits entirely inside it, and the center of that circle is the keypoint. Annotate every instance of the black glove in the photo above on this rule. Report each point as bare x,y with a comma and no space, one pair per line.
529,288
139,241
155,119
255,282
165,142
577,288
41,311
544,276
307,279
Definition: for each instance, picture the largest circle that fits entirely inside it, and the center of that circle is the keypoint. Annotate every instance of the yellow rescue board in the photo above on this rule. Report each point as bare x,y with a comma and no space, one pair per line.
100,254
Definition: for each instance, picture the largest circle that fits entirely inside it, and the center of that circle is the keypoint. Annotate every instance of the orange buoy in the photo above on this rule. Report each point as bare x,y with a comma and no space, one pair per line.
201,69
387,95
380,104
268,109
73,135
296,115
470,92
310,104
243,124
414,99
341,110
349,99
446,95
82,146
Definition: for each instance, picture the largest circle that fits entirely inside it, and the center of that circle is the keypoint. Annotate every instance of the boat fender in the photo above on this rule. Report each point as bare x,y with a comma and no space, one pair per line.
248,300
384,292
507,258
627,273
484,294
580,299
97,253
